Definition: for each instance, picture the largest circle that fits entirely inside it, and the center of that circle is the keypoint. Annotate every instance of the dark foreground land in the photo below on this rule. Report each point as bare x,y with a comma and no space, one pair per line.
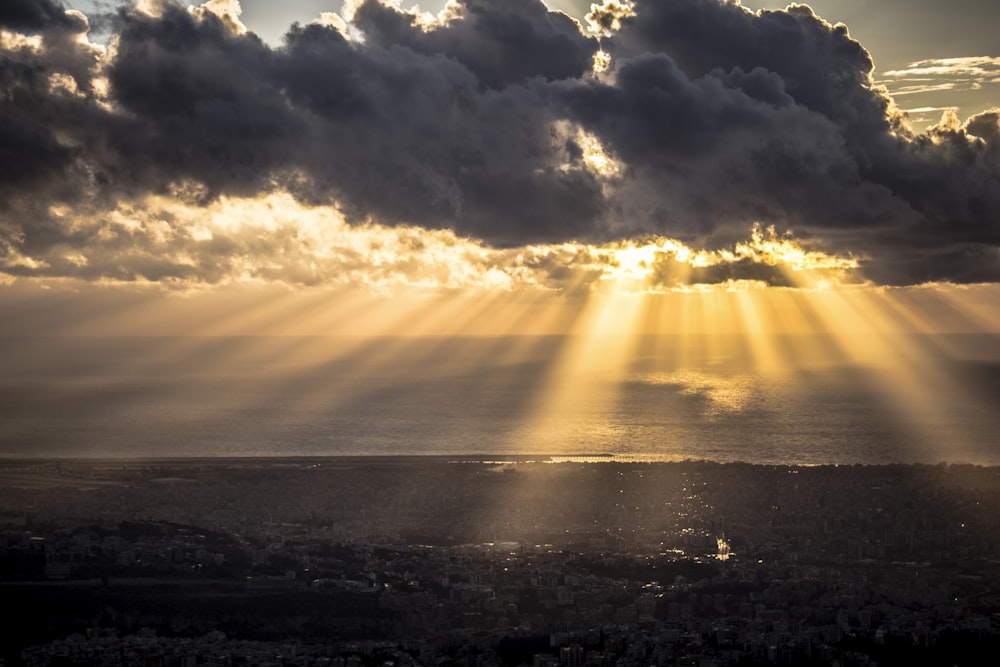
430,561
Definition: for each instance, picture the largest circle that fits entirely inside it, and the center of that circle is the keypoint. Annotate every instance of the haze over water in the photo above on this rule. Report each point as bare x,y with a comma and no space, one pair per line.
291,396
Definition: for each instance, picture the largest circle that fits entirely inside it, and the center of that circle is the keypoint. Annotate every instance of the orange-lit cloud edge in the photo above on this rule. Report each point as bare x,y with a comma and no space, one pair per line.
276,262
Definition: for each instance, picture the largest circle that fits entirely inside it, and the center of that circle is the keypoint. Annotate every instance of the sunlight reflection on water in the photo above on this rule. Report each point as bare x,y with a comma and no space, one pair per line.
832,415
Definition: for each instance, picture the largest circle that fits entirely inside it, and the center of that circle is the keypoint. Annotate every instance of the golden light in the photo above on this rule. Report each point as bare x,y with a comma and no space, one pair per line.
390,306
304,301
602,61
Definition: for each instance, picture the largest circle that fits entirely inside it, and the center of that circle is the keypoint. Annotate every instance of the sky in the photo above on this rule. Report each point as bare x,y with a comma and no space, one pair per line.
503,168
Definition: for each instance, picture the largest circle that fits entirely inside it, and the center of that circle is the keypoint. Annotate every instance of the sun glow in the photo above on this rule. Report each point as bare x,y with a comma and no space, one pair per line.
719,332
575,358
276,240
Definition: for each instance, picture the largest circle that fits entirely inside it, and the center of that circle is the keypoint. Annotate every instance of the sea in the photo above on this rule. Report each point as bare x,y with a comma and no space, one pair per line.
668,399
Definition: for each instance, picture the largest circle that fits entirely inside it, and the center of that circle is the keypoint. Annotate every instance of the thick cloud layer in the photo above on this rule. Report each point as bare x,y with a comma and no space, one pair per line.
33,15
491,121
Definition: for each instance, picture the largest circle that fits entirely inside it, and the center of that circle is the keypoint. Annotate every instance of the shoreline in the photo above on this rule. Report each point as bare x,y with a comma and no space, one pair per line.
415,459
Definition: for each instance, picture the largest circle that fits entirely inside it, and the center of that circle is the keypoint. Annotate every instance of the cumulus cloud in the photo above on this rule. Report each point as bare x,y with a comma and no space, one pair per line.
488,123
36,15
606,19
500,43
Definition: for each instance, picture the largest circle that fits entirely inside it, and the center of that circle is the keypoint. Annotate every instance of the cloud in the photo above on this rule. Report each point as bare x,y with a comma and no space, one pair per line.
979,67
501,42
943,74
488,123
920,89
276,239
418,139
606,19
723,150
37,15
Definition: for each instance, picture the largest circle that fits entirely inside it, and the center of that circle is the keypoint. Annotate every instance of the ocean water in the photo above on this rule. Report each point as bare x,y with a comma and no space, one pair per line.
180,397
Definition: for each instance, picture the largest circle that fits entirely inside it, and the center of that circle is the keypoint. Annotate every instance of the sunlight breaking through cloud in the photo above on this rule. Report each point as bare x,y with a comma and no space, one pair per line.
275,239
506,124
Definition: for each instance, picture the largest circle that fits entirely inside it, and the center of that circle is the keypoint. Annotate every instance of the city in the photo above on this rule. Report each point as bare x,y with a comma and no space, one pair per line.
418,561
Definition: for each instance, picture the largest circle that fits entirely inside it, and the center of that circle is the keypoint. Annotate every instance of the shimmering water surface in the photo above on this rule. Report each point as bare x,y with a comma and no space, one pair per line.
287,397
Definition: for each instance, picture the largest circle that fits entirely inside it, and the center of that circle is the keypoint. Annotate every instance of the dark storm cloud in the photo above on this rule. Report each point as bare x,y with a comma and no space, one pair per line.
36,15
724,148
199,103
715,117
45,82
386,132
501,42
414,138
822,68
